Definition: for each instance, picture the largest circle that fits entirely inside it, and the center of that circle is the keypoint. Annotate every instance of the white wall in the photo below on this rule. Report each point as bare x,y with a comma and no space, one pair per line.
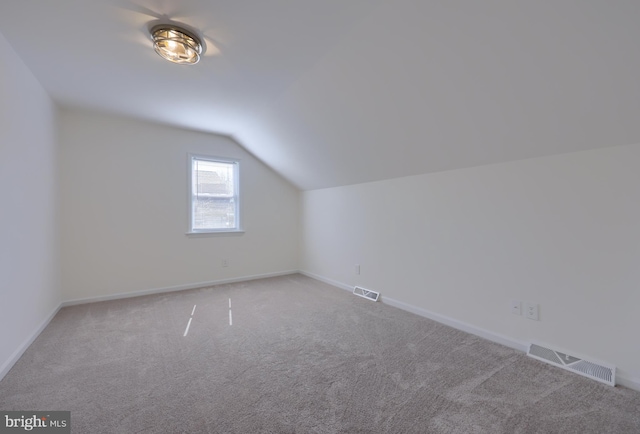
28,266
124,210
562,231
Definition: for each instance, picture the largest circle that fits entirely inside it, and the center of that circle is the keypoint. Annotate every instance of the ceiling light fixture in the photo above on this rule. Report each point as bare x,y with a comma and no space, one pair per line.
176,44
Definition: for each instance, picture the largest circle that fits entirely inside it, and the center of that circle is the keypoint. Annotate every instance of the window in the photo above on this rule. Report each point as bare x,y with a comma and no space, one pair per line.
213,191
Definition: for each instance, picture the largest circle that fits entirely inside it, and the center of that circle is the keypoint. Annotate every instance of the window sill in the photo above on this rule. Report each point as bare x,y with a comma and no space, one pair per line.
215,234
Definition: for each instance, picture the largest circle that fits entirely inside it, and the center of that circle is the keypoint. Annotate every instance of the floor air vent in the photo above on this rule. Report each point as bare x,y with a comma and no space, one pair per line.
366,293
597,371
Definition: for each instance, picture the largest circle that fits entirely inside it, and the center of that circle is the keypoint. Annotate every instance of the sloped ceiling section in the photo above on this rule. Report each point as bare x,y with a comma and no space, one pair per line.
338,92
423,86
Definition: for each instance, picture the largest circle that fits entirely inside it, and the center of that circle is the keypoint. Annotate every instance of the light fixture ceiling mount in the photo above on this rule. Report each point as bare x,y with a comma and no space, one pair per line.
176,44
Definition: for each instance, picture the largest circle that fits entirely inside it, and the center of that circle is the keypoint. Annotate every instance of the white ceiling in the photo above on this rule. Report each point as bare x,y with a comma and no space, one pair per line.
336,92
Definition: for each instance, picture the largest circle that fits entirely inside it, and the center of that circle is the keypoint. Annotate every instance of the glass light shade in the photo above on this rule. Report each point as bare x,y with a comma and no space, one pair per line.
176,44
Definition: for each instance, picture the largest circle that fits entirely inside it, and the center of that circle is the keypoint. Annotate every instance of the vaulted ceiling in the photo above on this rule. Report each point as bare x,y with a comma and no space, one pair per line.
337,92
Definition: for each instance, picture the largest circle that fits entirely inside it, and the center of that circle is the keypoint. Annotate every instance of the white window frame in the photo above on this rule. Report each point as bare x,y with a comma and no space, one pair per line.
238,212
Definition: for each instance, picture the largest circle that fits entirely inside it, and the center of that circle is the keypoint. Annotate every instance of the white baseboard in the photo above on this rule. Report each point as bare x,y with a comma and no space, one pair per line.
195,285
7,365
327,280
494,337
456,324
622,378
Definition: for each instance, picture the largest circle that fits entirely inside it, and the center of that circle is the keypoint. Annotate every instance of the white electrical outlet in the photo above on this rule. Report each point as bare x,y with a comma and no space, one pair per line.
531,311
357,268
516,307
224,262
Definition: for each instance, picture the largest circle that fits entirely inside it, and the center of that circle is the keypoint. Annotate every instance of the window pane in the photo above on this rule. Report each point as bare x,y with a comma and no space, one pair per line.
212,178
213,213
214,197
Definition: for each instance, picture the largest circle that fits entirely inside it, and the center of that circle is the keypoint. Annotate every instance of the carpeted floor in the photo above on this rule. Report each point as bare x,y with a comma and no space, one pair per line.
299,357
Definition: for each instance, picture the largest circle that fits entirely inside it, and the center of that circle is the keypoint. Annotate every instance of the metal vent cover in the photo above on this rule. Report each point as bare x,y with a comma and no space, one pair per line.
366,293
601,372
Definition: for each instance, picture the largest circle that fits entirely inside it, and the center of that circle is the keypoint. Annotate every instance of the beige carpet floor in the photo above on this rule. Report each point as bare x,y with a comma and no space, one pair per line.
299,357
